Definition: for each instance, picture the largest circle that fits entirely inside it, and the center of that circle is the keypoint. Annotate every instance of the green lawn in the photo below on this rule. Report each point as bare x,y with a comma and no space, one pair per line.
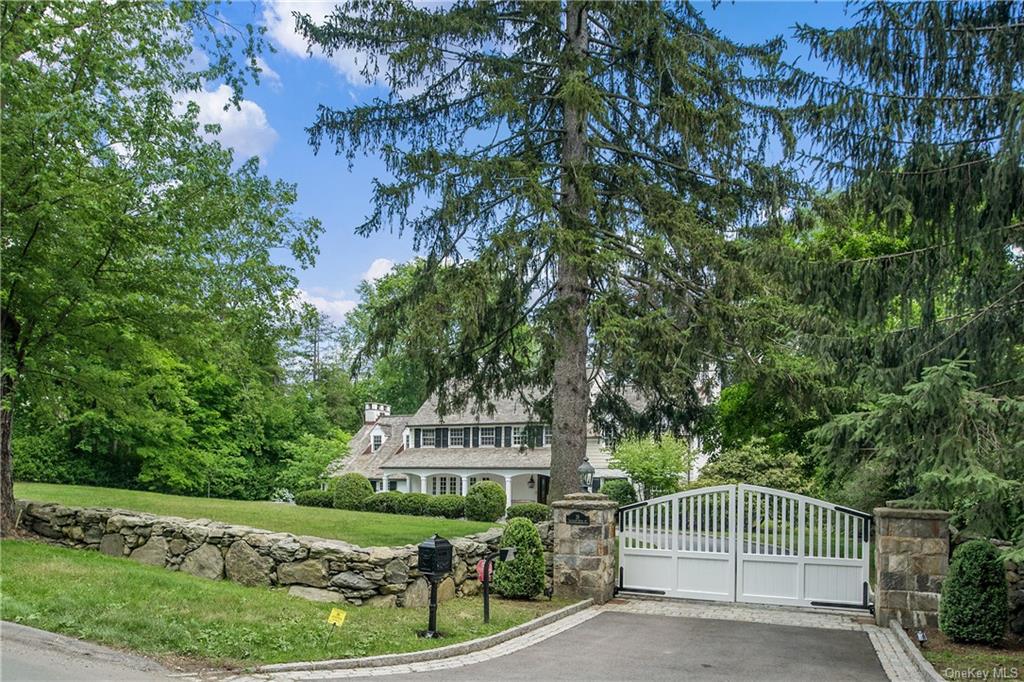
955,661
170,615
360,528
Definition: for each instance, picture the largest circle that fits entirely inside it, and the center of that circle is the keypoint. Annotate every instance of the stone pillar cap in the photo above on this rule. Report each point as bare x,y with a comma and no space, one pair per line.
585,501
908,513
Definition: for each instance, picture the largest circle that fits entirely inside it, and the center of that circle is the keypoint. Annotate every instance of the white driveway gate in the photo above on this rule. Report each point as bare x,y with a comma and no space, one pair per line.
745,543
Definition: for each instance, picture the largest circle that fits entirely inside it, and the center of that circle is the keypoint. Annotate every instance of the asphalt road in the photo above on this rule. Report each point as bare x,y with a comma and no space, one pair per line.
623,646
30,655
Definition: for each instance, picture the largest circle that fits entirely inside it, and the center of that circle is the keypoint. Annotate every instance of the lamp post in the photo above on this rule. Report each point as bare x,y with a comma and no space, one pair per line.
586,474
434,561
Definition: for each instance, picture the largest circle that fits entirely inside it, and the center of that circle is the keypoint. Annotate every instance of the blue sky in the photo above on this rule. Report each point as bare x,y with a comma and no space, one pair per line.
274,115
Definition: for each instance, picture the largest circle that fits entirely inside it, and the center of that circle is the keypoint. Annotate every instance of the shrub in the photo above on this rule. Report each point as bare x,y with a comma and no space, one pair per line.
448,506
973,604
314,498
485,501
535,511
523,577
620,490
383,503
350,491
413,504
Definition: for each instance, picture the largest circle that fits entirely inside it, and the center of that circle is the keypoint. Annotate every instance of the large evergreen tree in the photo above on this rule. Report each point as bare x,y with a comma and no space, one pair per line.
571,172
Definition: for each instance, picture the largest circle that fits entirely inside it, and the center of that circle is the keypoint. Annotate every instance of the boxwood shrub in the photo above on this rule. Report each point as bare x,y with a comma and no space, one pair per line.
383,503
619,490
973,608
413,504
523,577
535,511
350,491
448,506
314,498
485,501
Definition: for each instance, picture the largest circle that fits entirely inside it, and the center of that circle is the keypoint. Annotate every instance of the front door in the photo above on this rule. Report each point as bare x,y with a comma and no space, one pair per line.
543,482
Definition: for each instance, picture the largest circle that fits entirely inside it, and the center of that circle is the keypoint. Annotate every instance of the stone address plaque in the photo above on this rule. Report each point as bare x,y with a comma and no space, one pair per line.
577,518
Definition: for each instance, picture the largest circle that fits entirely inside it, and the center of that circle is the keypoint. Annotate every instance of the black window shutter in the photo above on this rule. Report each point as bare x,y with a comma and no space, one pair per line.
467,437
437,437
444,438
476,436
497,436
416,437
508,436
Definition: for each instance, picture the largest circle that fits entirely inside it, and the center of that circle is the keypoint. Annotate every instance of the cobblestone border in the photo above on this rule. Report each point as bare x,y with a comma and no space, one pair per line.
434,655
927,670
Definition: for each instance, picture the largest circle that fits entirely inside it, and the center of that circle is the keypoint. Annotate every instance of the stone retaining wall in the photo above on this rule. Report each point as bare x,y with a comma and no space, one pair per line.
314,568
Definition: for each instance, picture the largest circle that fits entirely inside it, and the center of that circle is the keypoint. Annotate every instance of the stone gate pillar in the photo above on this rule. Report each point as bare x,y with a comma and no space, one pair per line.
912,556
584,556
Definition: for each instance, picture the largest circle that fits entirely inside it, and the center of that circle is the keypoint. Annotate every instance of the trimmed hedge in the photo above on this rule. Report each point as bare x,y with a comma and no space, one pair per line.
620,490
523,577
973,607
413,504
315,498
350,491
485,501
535,511
383,503
448,506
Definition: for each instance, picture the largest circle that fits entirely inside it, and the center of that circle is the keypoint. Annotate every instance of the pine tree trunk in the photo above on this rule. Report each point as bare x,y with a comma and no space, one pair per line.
8,515
570,392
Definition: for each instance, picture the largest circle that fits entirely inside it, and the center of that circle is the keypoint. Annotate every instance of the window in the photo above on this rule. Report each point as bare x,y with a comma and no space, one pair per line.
392,485
518,435
455,438
378,440
427,436
487,435
376,485
407,441
445,485
547,435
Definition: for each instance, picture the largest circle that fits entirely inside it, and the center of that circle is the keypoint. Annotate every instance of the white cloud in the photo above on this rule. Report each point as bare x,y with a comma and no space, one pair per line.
378,268
244,128
280,22
332,304
268,75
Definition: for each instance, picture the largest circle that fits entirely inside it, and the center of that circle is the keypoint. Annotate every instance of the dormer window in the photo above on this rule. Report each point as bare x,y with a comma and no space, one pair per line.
378,440
428,438
487,435
518,435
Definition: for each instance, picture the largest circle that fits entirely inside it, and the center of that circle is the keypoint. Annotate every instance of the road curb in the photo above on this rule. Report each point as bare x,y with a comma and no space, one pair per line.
910,649
460,649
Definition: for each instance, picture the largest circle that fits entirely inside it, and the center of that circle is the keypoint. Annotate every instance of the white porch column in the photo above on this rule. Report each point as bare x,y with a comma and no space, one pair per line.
465,485
508,492
384,483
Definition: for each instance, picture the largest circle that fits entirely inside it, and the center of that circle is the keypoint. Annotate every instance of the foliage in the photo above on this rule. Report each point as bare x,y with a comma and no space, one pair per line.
757,463
217,623
534,511
620,490
628,141
523,577
414,504
359,528
937,442
655,464
350,491
485,501
315,498
383,503
973,607
448,506
308,457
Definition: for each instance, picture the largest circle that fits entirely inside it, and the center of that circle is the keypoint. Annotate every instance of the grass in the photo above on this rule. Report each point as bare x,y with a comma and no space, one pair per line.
954,661
173,615
360,528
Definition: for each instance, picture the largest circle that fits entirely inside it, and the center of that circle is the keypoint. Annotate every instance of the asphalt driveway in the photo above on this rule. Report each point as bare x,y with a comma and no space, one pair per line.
625,646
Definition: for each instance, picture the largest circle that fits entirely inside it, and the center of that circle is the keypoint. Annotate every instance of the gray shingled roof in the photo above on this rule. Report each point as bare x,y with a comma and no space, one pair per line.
474,458
362,460
506,411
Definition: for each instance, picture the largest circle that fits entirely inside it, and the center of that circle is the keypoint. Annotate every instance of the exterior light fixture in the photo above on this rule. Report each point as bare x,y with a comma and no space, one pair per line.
922,638
530,483
586,473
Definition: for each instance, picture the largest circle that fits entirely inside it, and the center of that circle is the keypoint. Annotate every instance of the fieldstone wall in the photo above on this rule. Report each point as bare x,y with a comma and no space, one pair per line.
584,562
312,567
911,561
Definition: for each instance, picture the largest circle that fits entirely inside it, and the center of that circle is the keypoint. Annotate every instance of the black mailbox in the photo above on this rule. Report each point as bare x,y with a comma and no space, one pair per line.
435,556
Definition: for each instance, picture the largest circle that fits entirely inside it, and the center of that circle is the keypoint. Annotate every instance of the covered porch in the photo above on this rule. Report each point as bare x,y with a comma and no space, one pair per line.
521,485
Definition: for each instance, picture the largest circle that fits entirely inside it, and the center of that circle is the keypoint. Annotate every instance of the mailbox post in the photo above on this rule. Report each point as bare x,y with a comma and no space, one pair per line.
434,561
484,570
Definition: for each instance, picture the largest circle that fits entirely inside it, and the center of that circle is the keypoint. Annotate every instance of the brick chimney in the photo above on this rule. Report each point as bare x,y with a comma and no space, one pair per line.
374,411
